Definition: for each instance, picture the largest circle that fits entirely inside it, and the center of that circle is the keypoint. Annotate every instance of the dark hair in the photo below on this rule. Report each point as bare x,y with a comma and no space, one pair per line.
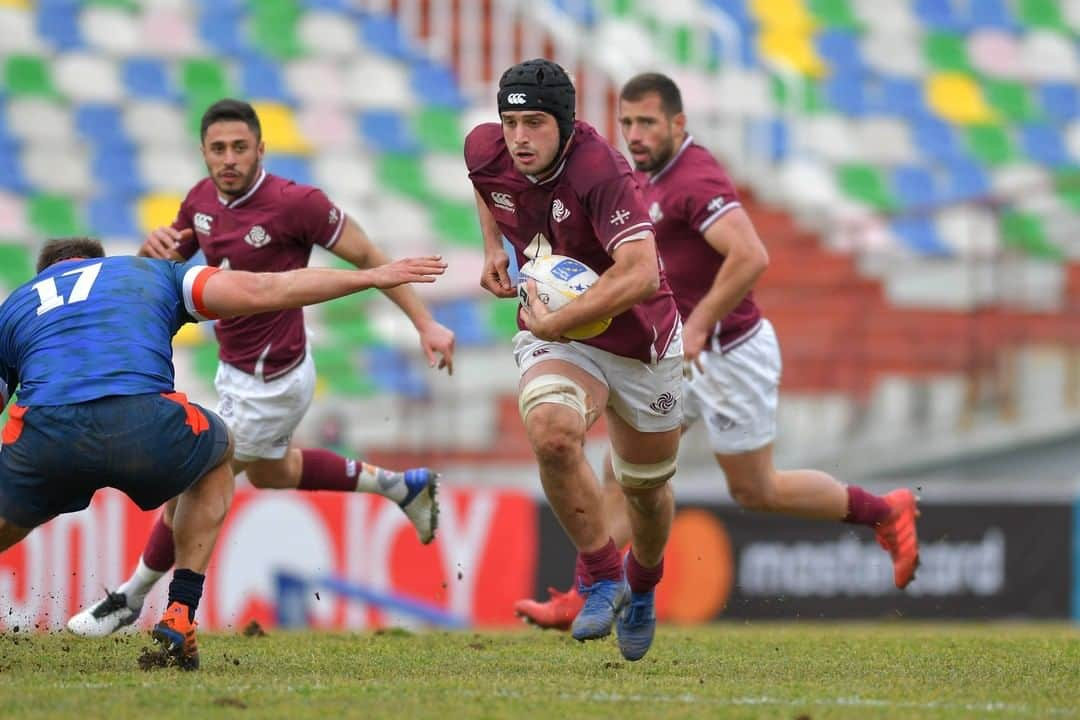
58,249
641,85
230,109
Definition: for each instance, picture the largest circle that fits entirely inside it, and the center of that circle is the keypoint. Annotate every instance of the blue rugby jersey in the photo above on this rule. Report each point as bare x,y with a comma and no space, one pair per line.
89,328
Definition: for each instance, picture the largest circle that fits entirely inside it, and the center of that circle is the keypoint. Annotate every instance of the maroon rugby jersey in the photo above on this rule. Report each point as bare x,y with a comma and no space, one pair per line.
586,209
685,197
271,228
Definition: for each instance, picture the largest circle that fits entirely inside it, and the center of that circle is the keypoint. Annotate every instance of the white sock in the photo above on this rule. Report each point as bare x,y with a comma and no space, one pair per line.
374,479
140,584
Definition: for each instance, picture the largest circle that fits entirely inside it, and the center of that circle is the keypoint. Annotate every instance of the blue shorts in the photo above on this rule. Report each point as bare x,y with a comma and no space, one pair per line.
151,447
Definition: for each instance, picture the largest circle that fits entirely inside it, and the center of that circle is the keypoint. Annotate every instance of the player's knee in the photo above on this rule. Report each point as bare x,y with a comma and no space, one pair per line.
554,440
751,493
642,476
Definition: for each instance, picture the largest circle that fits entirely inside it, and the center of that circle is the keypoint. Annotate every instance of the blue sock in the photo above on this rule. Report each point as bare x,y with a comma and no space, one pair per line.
186,587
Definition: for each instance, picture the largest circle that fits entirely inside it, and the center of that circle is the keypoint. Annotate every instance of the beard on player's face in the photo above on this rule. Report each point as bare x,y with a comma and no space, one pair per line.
656,156
232,181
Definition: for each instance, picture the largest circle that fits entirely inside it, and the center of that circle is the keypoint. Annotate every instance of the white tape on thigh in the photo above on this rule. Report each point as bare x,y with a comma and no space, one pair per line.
642,476
551,389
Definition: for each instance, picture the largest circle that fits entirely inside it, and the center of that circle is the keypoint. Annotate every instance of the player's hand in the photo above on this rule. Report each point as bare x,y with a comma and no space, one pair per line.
163,242
496,276
406,270
540,321
436,338
694,340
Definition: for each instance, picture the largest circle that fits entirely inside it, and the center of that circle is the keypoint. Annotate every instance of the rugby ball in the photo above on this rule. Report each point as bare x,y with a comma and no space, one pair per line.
560,279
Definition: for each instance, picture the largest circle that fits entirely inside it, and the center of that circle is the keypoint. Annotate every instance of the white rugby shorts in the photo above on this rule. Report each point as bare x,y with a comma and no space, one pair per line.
263,415
737,394
648,397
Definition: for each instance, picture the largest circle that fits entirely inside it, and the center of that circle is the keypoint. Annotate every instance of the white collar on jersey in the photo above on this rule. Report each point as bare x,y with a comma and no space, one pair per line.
686,143
244,198
549,178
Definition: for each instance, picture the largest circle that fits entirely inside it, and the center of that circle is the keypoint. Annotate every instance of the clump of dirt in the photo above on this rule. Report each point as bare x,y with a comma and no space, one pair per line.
152,659
253,629
230,702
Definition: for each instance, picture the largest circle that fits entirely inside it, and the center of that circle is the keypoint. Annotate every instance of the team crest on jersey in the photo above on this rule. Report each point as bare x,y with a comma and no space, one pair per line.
619,217
503,201
257,237
717,204
333,217
655,213
559,211
202,223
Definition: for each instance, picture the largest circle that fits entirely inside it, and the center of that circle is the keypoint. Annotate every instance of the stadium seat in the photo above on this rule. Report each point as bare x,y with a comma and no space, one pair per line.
273,28
112,30
1027,232
148,78
1060,101
170,169
169,30
203,80
391,371
344,174
315,80
20,33
58,24
115,169
865,184
383,34
403,174
295,168
111,216
439,129
456,223
373,82
37,119
157,210
330,128
936,139
13,216
436,85
16,266
281,132
995,54
1044,14
834,14
990,144
1043,144
53,216
900,96
1049,56
221,29
12,177
994,14
101,124
466,318
946,52
42,163
27,75
447,176
891,52
387,131
957,98
914,186
86,77
327,34
939,15
920,236
844,91
964,179
260,79
1009,100
154,123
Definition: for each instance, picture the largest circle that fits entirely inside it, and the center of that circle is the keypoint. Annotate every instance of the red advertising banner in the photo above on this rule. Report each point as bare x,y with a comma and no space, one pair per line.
483,560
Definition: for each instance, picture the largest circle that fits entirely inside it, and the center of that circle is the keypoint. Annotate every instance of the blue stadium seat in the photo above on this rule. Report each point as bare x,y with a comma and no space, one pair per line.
964,179
221,27
58,23
436,84
914,186
388,131
115,169
582,11
260,79
148,78
1044,144
920,236
112,216
1061,101
841,50
293,167
844,91
391,371
936,139
771,138
12,176
992,14
342,6
940,15
901,96
466,318
100,123
382,33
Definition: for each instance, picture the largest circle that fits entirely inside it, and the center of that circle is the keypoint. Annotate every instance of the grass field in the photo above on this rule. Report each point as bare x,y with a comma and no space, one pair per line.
759,670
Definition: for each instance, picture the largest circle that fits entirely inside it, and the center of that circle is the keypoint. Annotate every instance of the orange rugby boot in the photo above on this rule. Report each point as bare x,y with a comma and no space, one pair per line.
176,636
898,535
556,613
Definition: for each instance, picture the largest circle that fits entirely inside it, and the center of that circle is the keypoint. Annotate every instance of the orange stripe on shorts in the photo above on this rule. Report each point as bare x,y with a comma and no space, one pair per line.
13,427
195,418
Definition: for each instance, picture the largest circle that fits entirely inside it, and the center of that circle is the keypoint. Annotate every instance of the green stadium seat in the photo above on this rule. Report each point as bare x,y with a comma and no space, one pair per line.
129,5
203,78
439,129
1025,232
456,223
834,14
205,360
403,174
16,265
274,28
1067,184
28,75
336,367
53,216
1041,14
1010,100
947,52
807,94
990,144
502,318
867,185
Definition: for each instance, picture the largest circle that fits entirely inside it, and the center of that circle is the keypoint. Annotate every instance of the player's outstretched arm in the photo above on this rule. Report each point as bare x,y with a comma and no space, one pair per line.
228,293
163,242
356,247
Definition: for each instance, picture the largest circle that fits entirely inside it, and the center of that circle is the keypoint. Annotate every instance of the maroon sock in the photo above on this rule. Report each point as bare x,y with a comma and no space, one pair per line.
324,470
865,508
641,578
159,553
581,573
602,564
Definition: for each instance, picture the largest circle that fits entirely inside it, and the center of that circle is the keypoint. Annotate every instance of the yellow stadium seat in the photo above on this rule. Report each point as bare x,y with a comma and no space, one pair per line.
157,210
190,335
791,49
17,4
783,15
957,98
280,129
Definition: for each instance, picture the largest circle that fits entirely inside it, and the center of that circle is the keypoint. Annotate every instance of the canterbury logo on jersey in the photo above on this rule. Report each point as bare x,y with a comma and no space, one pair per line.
503,201
202,223
655,213
257,237
516,98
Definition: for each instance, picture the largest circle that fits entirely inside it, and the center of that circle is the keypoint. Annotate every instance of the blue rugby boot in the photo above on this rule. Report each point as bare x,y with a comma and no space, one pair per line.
637,625
603,600
421,503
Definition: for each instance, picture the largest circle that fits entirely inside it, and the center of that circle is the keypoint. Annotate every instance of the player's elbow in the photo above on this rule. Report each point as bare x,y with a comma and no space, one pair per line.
647,281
